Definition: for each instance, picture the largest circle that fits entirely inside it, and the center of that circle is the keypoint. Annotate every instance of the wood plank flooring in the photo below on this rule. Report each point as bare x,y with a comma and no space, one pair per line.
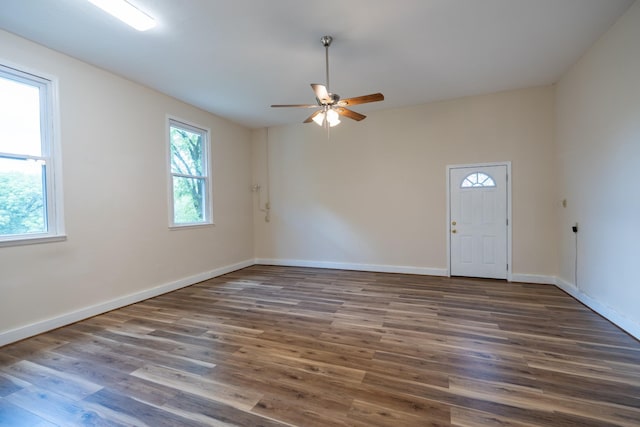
281,346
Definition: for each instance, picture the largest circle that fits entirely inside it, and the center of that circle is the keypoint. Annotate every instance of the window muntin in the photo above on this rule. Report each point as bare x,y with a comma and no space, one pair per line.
190,183
29,209
477,179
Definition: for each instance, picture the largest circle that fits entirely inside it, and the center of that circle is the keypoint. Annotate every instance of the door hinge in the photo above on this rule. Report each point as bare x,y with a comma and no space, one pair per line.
507,267
507,222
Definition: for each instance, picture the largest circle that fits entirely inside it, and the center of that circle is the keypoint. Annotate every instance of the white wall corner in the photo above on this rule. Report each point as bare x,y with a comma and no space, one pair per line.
17,334
608,313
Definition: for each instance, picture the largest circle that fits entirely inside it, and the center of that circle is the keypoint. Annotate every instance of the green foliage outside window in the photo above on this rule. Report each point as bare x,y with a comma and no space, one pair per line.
22,198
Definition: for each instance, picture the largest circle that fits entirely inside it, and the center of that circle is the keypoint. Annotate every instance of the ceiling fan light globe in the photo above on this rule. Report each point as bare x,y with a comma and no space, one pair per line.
319,119
333,118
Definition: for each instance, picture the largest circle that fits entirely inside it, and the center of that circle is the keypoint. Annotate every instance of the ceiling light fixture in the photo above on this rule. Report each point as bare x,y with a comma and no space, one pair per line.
127,13
331,106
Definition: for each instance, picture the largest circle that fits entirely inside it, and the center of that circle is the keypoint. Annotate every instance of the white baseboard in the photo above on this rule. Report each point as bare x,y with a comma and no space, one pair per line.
608,313
36,328
357,267
533,278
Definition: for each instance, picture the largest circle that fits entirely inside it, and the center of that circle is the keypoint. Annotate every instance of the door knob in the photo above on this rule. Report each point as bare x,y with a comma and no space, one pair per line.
453,223
454,231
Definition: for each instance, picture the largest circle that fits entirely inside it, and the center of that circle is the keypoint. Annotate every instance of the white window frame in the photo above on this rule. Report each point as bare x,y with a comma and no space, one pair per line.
206,150
50,155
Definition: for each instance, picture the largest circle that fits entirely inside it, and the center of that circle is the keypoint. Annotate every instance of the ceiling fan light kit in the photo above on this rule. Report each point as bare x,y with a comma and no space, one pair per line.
331,106
330,117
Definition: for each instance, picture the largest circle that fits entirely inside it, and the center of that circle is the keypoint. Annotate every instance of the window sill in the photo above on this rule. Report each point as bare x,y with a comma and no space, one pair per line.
188,226
32,240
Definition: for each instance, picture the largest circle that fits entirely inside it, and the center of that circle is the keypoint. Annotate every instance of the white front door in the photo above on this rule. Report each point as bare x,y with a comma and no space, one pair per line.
478,221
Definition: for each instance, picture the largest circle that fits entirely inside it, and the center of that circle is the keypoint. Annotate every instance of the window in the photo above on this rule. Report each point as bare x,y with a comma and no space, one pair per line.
190,184
30,209
477,179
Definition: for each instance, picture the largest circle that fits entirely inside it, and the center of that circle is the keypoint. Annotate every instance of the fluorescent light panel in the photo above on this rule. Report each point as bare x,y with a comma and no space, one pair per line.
127,13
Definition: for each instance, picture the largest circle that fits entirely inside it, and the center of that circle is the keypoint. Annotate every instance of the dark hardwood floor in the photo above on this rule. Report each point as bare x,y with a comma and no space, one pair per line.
281,346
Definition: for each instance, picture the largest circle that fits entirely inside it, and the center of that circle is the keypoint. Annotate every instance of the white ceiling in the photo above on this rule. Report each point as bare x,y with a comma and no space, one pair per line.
235,58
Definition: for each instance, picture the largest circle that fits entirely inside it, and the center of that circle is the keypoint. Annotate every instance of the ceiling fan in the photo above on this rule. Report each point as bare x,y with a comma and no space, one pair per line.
331,106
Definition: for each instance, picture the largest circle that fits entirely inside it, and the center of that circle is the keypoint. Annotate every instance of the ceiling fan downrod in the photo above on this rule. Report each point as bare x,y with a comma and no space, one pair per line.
326,42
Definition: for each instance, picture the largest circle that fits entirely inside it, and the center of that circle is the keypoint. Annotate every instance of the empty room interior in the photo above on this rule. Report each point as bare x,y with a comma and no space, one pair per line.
363,213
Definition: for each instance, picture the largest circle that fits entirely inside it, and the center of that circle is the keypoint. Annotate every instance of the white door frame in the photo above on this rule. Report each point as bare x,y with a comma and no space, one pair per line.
509,221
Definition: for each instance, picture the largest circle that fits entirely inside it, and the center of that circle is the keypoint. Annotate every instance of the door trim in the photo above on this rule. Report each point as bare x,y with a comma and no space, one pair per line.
509,212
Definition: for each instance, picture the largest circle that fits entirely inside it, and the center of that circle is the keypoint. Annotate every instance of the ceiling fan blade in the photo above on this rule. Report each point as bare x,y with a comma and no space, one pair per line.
310,118
350,113
374,97
321,93
295,105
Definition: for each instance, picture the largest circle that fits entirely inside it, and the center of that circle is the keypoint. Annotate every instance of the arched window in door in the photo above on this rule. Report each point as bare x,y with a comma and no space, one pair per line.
477,179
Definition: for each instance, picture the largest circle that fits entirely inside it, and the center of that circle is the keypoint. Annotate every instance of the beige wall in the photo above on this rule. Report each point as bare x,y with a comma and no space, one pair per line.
598,157
115,197
375,192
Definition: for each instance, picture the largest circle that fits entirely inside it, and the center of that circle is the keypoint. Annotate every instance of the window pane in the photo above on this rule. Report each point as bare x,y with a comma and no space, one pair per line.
186,152
19,118
22,197
188,200
477,179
